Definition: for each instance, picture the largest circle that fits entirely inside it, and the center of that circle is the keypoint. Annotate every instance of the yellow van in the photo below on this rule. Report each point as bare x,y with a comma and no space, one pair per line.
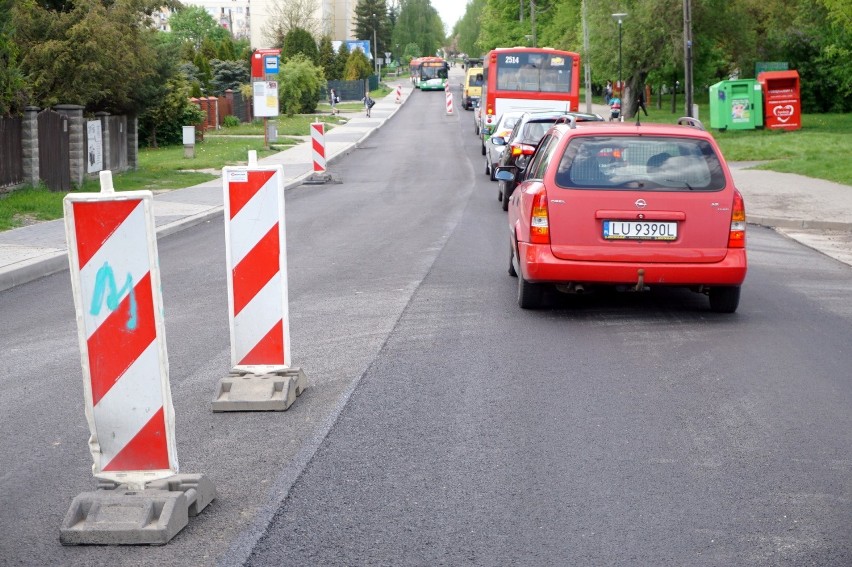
472,87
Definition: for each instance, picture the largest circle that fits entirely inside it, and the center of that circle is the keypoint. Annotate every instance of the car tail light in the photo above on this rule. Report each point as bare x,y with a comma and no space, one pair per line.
539,225
522,150
738,222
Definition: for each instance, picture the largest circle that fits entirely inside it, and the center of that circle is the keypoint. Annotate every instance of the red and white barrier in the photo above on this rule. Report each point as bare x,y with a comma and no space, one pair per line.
398,94
115,279
318,146
449,103
256,255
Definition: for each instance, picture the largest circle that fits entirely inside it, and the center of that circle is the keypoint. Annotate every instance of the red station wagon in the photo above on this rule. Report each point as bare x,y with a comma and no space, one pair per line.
630,206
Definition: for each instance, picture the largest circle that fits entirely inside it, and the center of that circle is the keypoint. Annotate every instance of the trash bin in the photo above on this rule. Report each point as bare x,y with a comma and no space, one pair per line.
782,108
736,104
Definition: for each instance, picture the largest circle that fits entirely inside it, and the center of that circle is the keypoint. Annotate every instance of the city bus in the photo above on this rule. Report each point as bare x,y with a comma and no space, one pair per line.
530,79
429,73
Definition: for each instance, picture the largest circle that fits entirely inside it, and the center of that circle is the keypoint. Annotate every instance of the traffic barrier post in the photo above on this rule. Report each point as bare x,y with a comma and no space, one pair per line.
321,174
398,94
115,278
261,376
449,103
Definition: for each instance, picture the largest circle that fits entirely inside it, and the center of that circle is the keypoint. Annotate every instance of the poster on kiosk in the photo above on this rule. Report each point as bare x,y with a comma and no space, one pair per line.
782,106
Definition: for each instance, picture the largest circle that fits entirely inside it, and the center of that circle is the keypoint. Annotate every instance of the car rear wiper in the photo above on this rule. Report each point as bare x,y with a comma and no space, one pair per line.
685,184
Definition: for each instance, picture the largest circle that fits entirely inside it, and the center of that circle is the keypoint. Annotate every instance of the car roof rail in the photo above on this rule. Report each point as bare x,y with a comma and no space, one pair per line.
567,119
690,121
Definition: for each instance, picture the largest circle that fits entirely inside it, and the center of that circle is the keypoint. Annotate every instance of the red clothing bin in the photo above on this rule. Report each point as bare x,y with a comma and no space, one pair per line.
782,108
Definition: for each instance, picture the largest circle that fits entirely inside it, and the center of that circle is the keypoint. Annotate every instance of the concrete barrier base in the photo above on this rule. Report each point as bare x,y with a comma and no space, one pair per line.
321,179
259,392
116,515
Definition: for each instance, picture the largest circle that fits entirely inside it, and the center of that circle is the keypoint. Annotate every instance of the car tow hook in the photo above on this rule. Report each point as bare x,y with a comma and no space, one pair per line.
640,283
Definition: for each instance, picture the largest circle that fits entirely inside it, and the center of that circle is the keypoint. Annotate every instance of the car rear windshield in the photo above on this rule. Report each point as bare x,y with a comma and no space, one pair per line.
640,162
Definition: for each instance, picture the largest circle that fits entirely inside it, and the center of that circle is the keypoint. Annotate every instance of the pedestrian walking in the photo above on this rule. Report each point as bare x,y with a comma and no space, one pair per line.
640,101
608,92
368,103
333,99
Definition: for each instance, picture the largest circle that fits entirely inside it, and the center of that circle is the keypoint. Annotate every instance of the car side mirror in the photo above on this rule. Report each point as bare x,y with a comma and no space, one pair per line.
498,140
504,174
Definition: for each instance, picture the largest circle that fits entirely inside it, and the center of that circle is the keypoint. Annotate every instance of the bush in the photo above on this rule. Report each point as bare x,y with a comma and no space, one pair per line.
230,121
301,86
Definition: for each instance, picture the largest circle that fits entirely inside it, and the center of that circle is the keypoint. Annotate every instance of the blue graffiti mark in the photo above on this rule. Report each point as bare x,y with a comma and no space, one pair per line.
104,279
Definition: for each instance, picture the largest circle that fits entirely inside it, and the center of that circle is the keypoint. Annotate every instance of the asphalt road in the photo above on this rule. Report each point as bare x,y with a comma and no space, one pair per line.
442,424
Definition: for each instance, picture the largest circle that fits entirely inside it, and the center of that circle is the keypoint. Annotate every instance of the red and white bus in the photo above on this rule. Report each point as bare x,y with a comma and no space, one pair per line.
528,78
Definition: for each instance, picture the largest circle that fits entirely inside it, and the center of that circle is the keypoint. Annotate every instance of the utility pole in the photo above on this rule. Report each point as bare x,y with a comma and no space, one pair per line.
532,18
586,67
687,54
375,48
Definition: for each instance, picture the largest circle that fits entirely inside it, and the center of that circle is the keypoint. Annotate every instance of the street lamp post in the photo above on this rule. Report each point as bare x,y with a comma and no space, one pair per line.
620,18
375,47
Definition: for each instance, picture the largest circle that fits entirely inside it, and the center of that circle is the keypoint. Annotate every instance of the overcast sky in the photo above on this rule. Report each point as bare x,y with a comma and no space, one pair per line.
450,11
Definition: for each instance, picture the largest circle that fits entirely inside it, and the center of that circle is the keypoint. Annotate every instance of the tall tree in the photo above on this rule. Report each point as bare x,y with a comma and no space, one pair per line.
12,84
372,16
91,55
194,24
419,23
297,41
286,15
357,66
326,58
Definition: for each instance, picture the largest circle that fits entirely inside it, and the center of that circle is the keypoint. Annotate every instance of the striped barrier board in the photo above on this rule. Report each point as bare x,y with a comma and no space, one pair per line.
115,278
398,94
449,103
318,146
256,260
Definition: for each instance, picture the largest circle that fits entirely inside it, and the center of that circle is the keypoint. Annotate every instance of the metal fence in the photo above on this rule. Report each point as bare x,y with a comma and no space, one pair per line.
11,151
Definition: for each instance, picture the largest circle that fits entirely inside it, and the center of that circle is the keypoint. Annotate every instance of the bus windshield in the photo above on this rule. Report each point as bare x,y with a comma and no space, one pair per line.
534,72
428,71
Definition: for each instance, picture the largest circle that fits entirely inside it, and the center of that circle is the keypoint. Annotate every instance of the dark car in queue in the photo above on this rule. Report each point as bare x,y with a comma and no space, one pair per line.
629,207
521,143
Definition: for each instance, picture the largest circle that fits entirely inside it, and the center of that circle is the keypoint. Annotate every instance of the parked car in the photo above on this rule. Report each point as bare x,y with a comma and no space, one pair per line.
627,206
496,142
472,88
523,140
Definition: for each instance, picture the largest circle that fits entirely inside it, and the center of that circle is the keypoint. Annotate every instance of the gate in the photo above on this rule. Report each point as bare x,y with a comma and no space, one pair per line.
11,151
118,143
54,155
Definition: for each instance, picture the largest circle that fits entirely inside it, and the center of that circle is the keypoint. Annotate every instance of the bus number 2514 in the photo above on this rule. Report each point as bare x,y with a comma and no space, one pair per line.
512,60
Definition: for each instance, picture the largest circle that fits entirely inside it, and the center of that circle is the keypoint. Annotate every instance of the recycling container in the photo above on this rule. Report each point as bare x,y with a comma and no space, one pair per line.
782,108
736,105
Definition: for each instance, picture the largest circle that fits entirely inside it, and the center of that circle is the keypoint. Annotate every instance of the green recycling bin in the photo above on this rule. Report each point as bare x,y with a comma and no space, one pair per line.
736,105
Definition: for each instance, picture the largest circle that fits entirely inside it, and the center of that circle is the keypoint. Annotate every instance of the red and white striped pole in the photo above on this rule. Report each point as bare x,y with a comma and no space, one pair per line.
115,278
449,103
398,94
318,146
256,258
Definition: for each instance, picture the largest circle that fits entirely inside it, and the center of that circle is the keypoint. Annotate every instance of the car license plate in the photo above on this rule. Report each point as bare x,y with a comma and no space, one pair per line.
639,230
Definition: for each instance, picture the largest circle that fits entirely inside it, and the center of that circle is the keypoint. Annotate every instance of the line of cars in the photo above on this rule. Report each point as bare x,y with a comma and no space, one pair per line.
623,206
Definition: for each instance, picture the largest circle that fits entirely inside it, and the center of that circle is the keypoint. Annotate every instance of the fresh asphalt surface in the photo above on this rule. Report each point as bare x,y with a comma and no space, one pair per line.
627,429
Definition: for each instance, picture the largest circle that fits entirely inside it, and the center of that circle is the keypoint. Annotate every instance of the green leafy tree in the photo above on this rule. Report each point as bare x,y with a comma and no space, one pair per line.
326,57
340,61
419,23
193,24
301,85
411,51
372,15
357,67
90,55
466,30
162,124
12,84
299,41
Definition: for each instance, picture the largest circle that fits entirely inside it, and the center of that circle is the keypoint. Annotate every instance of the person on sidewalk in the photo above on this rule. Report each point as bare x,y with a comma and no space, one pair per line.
368,103
640,102
333,99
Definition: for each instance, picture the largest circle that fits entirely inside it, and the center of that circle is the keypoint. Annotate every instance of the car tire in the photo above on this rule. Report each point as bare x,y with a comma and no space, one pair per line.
530,295
512,271
483,146
724,299
491,170
506,197
475,128
500,191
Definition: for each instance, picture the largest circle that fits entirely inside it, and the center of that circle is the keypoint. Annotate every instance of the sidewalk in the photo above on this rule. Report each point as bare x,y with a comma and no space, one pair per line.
815,212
